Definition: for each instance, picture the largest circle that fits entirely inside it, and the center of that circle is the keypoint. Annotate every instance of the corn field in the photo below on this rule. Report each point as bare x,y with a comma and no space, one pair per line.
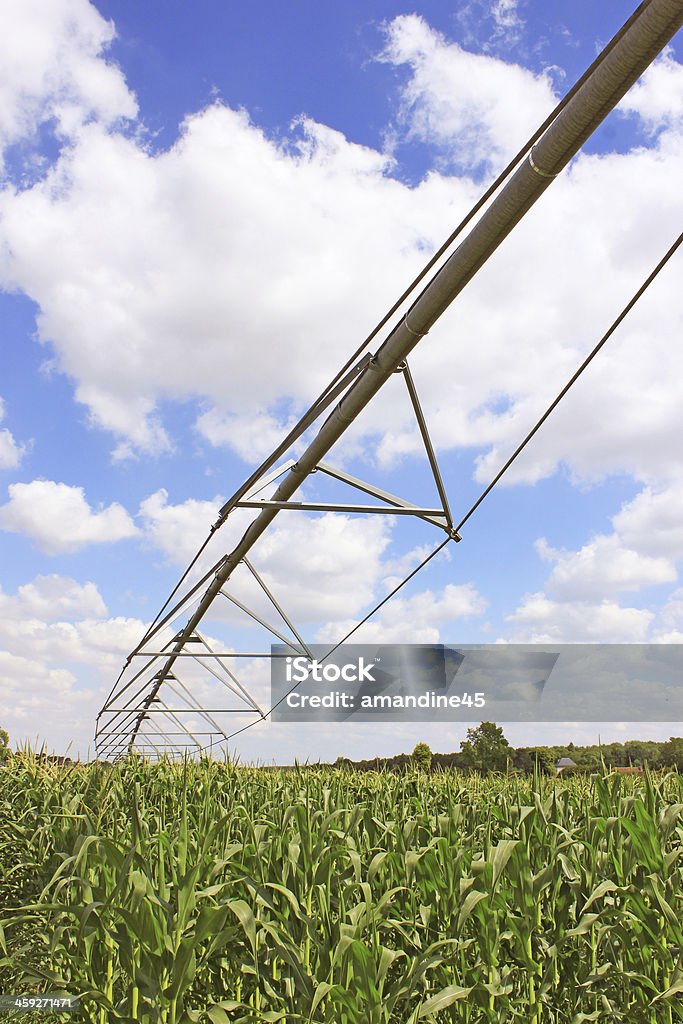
209,892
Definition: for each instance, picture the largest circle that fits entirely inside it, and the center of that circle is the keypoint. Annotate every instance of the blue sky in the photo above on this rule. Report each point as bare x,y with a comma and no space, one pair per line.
203,209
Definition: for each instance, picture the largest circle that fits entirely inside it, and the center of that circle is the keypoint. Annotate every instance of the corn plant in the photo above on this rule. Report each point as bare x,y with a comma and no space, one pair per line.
168,893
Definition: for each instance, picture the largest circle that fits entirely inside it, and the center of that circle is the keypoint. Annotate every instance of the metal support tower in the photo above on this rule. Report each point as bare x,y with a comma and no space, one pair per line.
149,706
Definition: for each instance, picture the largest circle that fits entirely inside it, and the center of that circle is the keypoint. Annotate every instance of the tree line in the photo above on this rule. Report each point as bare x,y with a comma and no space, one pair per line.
486,749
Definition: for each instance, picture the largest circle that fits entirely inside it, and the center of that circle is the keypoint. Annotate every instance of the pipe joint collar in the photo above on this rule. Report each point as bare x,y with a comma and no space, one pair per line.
416,334
539,170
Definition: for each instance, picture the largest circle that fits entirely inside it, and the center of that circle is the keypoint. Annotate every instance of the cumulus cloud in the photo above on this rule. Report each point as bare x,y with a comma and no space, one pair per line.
478,108
603,566
668,628
11,451
160,253
60,655
421,618
653,520
177,530
541,620
328,566
657,98
644,550
253,437
185,274
52,69
52,598
58,518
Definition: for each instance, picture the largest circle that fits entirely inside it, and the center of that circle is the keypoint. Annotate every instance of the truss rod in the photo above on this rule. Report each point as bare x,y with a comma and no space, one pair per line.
319,506
427,441
197,709
215,654
290,625
237,689
257,618
377,492
192,711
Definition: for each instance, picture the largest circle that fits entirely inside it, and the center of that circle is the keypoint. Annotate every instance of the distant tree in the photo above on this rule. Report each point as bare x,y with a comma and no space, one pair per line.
422,756
672,753
526,759
4,745
486,748
613,754
637,752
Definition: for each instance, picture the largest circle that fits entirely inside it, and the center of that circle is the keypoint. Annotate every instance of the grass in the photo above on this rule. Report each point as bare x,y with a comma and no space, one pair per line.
205,892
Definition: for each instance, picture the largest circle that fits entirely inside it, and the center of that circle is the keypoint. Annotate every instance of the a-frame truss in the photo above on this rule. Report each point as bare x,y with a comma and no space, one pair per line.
157,712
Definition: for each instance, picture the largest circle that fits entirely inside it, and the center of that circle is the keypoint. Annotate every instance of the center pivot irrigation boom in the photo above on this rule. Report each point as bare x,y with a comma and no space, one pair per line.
151,708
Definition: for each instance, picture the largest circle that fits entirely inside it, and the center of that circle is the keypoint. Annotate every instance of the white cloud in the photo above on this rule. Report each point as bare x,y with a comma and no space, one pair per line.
52,69
425,617
541,620
657,97
579,601
653,521
328,566
172,284
671,614
602,567
61,654
320,566
479,108
506,14
58,518
178,530
99,644
166,288
253,437
52,598
11,451
31,695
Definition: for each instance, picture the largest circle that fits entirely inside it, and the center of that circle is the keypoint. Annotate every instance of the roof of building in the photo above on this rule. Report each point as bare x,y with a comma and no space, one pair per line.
565,762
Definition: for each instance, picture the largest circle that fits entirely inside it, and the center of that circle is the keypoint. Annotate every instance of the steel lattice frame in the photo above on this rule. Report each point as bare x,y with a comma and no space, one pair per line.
150,708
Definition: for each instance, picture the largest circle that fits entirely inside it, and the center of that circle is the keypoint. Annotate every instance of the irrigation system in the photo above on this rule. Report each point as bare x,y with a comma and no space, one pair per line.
178,692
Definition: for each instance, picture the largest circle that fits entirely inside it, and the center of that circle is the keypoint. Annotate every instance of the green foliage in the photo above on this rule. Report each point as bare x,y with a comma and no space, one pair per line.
530,759
486,749
203,892
422,756
4,745
672,753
